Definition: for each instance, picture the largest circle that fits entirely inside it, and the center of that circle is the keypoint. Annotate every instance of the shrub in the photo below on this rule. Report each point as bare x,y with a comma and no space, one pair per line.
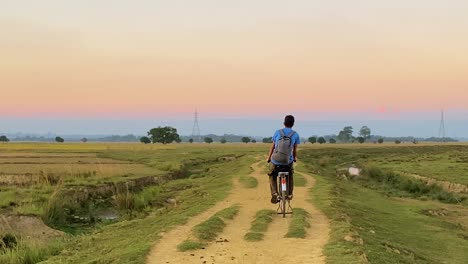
124,200
321,140
54,213
8,241
145,140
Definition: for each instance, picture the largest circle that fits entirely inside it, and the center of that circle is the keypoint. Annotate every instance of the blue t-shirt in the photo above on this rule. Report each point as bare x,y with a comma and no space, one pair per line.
295,140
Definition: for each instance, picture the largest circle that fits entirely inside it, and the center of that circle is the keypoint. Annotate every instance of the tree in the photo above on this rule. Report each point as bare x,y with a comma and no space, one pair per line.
254,141
313,140
190,140
332,141
178,140
223,141
165,135
267,140
365,132
59,140
208,140
346,134
361,140
245,140
145,140
397,141
4,139
321,140
84,140
380,140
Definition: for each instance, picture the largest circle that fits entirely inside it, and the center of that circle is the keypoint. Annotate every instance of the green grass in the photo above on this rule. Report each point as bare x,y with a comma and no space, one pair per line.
7,197
228,213
397,184
209,229
327,197
29,252
259,225
253,236
248,181
189,245
299,224
393,229
443,162
130,241
400,225
392,217
201,176
299,180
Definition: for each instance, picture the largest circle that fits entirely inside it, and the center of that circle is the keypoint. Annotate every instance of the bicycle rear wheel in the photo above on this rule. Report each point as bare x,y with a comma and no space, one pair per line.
283,203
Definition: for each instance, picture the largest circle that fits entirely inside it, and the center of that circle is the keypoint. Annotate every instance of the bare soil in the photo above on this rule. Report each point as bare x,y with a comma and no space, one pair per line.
28,227
231,246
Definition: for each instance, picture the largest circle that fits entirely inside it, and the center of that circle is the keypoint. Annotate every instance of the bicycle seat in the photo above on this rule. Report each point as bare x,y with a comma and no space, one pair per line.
283,168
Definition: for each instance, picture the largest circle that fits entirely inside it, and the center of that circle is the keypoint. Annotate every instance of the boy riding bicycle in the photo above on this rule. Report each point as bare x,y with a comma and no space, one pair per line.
282,155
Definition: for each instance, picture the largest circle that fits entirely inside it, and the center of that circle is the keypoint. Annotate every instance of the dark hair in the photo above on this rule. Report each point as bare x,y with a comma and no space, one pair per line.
289,121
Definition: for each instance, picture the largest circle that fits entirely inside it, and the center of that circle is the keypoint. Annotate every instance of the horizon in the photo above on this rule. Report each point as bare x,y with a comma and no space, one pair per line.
249,127
99,61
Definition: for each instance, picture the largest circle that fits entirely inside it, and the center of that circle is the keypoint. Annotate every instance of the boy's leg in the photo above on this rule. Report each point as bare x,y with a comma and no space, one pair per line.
274,185
291,181
273,174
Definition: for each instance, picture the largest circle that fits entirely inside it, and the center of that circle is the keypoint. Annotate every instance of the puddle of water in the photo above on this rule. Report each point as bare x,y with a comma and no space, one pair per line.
108,215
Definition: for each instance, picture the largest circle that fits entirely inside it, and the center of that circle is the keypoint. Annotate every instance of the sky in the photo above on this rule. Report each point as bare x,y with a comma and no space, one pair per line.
335,60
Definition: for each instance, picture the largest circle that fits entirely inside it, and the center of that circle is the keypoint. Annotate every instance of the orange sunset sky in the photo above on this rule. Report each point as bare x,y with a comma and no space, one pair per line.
110,58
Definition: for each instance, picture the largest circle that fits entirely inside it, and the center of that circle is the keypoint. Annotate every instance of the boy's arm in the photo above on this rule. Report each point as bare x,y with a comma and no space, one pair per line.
294,152
298,141
271,151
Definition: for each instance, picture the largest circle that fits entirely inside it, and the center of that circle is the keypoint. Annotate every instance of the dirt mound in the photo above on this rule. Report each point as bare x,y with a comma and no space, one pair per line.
28,227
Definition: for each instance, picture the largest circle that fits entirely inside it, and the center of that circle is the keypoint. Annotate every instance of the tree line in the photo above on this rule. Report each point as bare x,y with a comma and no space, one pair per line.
345,135
167,135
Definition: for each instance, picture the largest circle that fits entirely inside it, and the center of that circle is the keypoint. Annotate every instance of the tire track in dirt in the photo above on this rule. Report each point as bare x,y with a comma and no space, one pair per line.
274,248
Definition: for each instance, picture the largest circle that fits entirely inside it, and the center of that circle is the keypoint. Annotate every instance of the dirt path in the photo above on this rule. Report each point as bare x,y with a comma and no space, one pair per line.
273,249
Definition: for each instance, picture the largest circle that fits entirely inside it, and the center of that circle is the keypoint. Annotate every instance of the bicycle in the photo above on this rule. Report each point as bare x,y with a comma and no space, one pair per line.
284,206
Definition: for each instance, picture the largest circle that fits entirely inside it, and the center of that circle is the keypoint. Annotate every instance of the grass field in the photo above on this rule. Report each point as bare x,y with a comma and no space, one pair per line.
385,222
188,179
382,216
